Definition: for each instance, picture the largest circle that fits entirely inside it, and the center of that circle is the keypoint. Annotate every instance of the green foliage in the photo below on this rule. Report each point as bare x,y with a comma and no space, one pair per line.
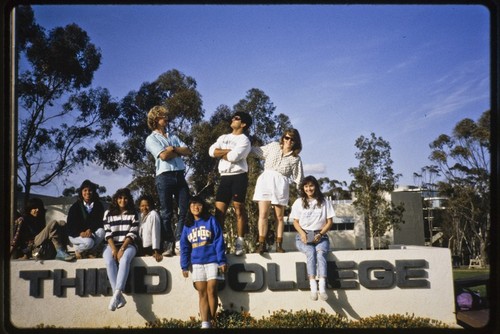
173,323
172,89
234,319
397,321
463,159
302,319
58,119
335,189
373,178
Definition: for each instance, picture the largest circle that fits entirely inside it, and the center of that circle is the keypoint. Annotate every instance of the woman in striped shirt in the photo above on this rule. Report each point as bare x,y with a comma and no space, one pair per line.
121,225
282,164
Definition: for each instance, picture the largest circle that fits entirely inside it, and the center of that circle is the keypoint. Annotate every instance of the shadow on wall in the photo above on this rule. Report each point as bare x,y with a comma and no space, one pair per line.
337,298
142,297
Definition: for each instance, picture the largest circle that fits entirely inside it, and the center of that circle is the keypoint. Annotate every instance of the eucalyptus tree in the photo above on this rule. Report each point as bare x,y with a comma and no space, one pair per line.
463,159
373,180
336,190
172,89
58,118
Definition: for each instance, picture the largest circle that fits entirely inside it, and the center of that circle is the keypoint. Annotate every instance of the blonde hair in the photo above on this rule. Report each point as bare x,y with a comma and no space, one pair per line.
155,113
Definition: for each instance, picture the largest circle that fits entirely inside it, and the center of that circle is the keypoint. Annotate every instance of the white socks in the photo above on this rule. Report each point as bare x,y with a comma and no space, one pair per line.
322,289
314,289
205,324
322,284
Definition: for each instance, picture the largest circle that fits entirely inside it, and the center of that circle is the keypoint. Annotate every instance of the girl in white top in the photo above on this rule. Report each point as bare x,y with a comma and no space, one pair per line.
150,228
282,164
312,217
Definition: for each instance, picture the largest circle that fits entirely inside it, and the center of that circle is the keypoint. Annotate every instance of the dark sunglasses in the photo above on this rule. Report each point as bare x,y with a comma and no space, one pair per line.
288,138
238,118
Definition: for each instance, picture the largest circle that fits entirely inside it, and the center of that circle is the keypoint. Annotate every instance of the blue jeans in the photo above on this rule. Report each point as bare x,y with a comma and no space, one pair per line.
118,272
315,255
84,244
172,185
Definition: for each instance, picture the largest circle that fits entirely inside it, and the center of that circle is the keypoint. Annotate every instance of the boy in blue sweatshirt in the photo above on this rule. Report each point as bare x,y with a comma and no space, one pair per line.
203,251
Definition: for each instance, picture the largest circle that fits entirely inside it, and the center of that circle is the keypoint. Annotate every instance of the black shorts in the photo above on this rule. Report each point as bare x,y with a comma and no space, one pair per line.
232,188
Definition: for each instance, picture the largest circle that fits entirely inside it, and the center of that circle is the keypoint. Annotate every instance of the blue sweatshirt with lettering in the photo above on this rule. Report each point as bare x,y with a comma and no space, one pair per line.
202,243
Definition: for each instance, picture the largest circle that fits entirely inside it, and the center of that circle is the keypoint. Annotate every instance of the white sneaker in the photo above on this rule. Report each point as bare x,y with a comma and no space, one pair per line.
239,246
118,301
314,295
168,251
323,295
113,303
178,248
121,301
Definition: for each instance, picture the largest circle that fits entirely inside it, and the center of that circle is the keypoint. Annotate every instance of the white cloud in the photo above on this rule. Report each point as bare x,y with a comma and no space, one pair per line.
314,169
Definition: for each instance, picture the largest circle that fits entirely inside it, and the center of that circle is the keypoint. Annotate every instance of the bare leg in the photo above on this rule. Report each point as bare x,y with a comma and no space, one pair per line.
241,218
203,300
264,207
280,224
212,298
220,213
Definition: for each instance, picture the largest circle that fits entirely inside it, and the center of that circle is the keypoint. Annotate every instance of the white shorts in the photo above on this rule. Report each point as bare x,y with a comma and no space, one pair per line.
272,186
205,272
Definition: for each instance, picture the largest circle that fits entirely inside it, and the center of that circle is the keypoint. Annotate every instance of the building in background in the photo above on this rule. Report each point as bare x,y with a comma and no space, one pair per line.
421,226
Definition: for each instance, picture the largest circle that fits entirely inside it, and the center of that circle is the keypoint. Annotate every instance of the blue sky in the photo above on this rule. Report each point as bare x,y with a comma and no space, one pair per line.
408,73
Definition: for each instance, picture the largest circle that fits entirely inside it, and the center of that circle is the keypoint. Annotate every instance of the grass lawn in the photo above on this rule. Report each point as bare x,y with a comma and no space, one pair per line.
465,273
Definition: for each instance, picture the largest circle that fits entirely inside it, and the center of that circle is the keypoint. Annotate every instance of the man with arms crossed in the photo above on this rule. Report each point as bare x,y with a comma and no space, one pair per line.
232,149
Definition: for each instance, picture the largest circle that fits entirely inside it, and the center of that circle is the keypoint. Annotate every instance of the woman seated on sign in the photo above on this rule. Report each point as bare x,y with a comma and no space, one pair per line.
34,238
121,224
312,217
150,228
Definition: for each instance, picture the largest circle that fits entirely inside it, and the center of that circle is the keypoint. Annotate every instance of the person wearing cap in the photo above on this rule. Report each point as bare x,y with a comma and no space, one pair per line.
31,232
203,254
232,150
282,165
168,150
85,228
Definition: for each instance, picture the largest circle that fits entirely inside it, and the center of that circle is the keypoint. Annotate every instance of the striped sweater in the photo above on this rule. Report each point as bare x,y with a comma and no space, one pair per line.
121,226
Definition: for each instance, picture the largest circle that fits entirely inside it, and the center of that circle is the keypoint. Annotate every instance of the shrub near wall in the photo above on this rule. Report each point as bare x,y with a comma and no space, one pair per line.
303,319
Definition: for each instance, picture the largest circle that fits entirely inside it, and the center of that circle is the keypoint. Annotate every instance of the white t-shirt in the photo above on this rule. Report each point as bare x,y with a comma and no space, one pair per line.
314,217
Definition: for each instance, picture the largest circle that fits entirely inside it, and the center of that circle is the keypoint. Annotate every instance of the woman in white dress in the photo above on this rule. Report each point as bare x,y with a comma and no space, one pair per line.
282,164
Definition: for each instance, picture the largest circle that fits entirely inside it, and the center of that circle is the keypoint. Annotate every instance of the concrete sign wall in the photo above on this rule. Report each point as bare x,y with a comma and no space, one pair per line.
415,280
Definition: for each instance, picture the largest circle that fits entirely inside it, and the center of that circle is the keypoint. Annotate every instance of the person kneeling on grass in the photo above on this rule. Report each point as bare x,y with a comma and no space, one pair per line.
203,251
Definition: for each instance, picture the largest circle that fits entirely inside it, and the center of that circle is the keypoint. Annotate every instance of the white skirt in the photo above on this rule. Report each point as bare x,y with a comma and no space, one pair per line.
272,186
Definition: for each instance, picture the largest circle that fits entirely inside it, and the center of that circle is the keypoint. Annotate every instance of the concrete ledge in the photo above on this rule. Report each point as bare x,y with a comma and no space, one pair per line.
415,280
